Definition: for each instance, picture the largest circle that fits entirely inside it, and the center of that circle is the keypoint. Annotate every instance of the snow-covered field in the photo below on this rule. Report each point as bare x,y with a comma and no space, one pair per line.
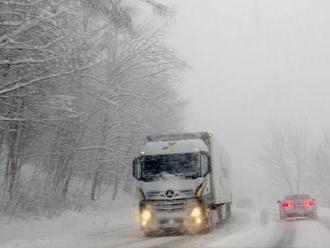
118,228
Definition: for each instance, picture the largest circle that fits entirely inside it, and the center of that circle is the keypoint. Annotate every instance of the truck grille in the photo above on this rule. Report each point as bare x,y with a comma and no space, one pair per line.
179,194
172,205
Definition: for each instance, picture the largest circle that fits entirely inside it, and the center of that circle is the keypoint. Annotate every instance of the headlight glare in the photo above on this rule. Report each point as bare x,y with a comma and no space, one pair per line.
146,215
196,212
198,221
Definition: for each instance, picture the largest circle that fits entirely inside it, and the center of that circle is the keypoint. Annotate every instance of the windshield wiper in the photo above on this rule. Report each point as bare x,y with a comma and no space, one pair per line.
191,176
149,178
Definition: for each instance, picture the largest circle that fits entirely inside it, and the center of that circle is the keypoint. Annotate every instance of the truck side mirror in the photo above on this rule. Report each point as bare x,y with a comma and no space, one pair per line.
209,167
205,165
136,168
278,202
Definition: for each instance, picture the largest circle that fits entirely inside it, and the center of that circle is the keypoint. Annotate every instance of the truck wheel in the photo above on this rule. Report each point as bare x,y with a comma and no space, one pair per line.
228,210
222,213
209,223
219,212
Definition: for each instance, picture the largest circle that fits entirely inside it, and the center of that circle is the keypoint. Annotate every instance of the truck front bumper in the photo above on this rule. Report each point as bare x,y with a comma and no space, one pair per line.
181,222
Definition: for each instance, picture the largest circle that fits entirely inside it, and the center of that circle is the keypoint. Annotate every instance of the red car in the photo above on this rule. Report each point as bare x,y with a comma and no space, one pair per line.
297,206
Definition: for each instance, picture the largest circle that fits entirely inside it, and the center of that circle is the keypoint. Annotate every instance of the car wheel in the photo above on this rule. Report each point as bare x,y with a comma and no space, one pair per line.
314,216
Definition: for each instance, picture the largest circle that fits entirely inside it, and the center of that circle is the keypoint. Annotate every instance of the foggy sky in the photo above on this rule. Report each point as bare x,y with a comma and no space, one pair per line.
254,64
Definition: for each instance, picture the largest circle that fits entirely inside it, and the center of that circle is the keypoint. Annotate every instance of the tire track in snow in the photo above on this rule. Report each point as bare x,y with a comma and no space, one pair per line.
112,231
312,234
144,242
124,238
237,221
325,222
287,236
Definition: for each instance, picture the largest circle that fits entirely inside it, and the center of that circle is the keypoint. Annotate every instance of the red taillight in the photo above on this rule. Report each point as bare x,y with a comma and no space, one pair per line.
309,204
287,205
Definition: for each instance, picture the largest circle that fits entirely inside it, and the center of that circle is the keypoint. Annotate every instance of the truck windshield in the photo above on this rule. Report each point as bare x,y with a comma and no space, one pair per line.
185,165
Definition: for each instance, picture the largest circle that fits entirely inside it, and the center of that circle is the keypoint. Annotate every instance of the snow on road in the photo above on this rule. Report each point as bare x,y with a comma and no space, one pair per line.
311,234
119,230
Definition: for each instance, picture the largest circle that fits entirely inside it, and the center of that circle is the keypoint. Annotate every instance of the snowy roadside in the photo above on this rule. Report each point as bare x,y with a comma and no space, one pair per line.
101,228
69,228
117,227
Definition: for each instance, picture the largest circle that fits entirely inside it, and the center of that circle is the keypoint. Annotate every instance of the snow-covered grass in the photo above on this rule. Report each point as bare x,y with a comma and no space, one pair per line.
69,226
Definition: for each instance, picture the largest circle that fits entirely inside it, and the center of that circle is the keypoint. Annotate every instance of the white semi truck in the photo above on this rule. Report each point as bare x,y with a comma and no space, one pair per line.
183,183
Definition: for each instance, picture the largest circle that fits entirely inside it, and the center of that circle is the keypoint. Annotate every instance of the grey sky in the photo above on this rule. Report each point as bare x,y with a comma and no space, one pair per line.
254,64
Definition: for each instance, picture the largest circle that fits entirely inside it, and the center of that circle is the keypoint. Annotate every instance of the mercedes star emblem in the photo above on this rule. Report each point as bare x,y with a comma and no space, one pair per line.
169,193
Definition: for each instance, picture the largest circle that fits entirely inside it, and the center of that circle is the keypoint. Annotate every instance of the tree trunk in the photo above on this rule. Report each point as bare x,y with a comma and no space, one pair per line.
94,185
100,155
116,184
13,165
67,183
1,142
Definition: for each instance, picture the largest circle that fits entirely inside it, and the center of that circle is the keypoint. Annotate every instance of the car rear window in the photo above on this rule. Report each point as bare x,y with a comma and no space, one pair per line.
297,197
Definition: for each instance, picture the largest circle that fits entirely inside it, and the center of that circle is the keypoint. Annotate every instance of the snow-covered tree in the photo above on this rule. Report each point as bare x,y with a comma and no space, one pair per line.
81,84
321,173
285,159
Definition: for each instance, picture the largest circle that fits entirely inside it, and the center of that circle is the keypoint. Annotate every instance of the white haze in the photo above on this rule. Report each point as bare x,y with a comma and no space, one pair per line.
254,64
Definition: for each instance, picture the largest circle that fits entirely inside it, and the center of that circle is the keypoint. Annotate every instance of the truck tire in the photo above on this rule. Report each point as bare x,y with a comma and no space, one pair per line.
220,214
209,222
224,213
228,210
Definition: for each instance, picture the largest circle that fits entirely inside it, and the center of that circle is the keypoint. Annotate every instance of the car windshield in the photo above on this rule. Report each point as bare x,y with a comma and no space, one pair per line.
185,164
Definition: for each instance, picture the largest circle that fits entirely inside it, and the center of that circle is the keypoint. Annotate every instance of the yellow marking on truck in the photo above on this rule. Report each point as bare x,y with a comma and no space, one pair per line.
200,190
172,149
140,194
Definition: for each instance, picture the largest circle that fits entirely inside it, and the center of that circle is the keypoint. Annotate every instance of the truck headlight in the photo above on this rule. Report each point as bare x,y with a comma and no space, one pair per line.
198,221
196,212
146,215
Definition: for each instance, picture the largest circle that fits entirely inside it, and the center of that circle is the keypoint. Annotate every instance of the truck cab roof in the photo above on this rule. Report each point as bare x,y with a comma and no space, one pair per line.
175,146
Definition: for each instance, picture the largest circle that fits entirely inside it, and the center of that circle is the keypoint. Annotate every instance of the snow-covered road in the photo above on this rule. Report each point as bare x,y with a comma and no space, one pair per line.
298,234
243,230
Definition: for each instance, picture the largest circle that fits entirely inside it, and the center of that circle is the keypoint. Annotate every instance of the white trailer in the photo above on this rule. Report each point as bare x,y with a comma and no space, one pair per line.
183,183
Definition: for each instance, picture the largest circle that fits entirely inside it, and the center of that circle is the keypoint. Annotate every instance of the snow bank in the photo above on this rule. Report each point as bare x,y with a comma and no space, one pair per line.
67,228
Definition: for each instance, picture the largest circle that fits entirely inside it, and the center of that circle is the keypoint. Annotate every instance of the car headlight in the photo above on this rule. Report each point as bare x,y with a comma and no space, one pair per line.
196,212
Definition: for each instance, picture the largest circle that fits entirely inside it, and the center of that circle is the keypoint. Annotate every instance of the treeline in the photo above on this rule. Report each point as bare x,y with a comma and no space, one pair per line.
81,84
294,165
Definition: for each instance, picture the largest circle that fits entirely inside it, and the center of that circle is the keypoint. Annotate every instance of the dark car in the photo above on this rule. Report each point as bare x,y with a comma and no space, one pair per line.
297,206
